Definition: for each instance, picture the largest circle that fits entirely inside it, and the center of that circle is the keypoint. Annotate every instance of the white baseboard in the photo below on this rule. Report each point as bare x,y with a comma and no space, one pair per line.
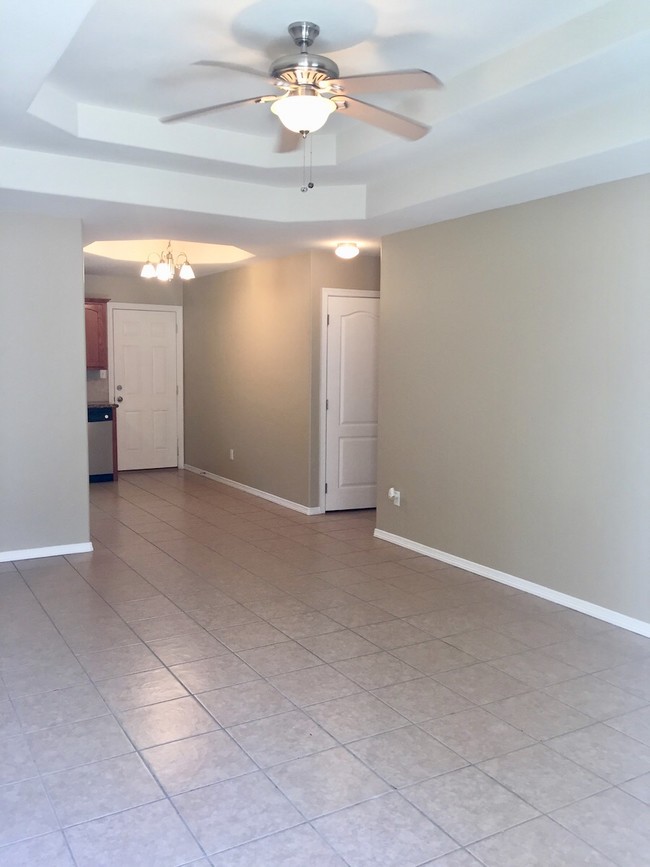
272,498
597,611
52,551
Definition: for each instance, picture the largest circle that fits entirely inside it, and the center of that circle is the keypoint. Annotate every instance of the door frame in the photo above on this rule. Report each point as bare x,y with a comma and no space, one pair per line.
151,308
326,294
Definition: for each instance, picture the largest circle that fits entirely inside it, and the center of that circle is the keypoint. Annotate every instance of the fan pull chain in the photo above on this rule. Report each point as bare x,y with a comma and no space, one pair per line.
306,184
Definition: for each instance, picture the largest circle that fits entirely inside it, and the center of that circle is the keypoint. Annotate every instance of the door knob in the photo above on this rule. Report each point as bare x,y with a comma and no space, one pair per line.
118,387
120,399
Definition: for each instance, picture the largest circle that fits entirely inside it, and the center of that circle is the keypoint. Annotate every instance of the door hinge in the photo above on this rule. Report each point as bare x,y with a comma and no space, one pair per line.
325,487
327,404
328,319
176,390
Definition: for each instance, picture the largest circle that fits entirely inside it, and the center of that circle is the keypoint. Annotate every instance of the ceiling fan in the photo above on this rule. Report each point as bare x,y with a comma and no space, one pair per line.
312,90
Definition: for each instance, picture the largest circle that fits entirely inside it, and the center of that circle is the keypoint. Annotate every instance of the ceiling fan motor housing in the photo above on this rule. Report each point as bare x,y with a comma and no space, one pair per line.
304,69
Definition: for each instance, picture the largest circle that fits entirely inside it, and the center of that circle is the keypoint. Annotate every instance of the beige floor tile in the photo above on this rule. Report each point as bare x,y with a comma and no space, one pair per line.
406,756
355,716
280,738
611,754
335,646
25,811
213,672
314,685
110,786
222,587
151,834
376,670
539,715
236,811
293,848
392,634
197,761
326,782
279,658
387,831
244,702
543,778
596,698
137,690
166,721
594,818
481,683
50,850
538,843
477,735
468,805
422,699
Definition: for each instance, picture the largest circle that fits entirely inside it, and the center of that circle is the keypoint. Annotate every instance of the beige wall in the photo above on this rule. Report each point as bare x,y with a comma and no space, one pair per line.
251,345
43,437
515,391
134,290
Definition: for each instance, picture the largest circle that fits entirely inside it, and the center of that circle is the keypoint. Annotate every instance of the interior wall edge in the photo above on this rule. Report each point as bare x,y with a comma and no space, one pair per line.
616,618
50,551
264,495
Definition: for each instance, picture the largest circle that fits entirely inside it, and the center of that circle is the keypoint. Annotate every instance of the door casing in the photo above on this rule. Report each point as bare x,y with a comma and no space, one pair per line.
325,295
122,305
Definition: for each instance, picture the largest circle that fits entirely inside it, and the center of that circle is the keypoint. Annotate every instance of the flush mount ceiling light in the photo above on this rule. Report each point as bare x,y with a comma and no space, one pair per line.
303,112
164,266
347,250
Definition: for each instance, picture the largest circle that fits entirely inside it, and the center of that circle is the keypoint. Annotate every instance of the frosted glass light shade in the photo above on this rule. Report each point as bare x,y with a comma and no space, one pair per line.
303,113
163,272
347,250
186,271
148,270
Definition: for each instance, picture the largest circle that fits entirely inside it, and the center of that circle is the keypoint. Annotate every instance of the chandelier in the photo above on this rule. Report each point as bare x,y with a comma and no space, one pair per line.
164,266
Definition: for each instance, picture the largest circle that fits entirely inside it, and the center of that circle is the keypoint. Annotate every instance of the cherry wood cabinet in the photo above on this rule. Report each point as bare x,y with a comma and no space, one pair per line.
96,334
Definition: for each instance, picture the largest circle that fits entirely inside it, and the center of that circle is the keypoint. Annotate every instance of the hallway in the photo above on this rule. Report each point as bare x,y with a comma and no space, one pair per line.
226,682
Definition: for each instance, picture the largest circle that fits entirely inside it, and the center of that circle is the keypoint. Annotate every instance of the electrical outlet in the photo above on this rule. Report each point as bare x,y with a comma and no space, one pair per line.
394,496
232,454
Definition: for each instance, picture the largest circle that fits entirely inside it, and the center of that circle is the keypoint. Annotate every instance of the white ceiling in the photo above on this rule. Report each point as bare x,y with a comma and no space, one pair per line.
540,96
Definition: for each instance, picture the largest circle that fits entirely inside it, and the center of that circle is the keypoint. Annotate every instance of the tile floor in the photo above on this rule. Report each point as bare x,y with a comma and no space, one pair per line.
225,682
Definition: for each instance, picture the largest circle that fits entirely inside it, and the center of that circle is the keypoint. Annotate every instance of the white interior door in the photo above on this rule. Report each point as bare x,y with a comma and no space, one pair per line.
145,384
351,426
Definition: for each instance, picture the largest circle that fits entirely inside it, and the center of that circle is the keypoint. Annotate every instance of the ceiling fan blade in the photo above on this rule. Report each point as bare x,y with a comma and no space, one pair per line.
287,141
255,100
381,117
383,82
235,67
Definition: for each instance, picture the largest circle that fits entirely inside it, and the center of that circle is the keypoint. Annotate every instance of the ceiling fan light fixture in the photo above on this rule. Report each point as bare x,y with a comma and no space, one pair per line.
303,112
347,250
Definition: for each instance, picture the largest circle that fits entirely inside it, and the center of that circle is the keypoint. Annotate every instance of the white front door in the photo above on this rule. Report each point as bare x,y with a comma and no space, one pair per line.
145,384
351,427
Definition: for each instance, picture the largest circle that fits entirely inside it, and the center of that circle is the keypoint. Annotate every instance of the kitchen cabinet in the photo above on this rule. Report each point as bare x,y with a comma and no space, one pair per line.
96,334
